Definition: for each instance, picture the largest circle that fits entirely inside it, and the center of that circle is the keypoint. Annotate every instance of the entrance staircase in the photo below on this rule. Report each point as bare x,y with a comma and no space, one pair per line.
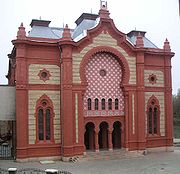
110,155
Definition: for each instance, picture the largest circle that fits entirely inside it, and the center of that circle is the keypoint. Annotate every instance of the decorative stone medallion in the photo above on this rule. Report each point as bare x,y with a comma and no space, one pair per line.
102,72
44,74
152,78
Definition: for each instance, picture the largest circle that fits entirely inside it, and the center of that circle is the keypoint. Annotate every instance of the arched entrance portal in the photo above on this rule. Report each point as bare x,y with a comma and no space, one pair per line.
116,135
89,136
103,136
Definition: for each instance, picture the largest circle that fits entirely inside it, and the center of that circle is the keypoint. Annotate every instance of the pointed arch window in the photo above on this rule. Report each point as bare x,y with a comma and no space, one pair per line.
96,102
110,104
40,124
116,104
89,103
103,104
44,120
48,124
153,117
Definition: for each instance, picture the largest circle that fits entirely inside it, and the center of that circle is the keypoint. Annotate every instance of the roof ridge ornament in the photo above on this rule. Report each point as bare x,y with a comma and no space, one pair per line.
103,4
66,33
103,12
21,34
166,46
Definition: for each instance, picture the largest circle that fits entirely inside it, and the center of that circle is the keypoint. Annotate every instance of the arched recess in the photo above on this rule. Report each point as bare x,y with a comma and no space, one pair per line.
89,136
153,116
44,120
103,135
121,59
116,135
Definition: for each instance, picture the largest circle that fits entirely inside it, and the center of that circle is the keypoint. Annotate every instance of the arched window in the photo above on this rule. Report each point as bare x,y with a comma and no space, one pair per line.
48,125
89,103
44,119
155,120
40,124
116,104
103,107
153,117
96,104
150,120
110,104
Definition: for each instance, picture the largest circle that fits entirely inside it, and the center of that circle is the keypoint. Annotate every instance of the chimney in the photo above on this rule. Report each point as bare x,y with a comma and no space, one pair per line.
37,22
84,16
136,33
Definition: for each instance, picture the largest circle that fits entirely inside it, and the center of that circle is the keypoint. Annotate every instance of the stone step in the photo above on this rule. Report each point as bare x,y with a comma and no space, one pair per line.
176,142
106,155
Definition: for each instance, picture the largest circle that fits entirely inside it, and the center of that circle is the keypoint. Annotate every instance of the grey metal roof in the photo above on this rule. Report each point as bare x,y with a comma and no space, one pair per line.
45,32
41,29
57,31
147,42
85,25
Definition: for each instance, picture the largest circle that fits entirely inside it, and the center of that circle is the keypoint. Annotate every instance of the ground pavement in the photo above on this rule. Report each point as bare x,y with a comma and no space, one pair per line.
152,163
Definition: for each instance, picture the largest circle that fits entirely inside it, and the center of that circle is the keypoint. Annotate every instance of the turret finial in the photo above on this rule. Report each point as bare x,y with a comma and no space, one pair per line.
66,33
103,12
166,46
21,34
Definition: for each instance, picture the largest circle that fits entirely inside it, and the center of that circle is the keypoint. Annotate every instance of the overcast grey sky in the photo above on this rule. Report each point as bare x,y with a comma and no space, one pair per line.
159,18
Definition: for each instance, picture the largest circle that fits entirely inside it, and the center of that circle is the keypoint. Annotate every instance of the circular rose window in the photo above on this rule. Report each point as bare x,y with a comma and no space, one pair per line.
102,72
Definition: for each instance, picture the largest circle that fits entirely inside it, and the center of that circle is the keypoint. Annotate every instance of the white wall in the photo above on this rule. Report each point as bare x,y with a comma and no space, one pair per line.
7,103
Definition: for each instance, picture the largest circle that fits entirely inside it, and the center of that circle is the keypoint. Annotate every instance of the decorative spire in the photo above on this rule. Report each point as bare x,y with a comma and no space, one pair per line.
103,4
21,34
103,12
166,46
66,33
139,41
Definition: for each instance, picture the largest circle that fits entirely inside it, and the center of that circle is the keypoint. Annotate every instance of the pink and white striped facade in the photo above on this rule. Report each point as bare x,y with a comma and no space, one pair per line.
104,86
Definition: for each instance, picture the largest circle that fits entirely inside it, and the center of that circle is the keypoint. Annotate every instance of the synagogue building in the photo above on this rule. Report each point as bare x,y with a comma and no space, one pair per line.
90,88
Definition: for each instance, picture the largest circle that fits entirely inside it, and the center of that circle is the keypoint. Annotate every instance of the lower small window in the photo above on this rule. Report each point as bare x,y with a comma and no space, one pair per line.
103,103
96,102
116,104
110,104
89,103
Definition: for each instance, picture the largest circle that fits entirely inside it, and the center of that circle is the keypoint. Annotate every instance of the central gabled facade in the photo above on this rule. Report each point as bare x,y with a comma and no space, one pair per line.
89,88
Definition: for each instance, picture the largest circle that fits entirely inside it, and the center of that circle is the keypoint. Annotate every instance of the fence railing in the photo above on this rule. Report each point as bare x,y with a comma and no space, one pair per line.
32,171
5,151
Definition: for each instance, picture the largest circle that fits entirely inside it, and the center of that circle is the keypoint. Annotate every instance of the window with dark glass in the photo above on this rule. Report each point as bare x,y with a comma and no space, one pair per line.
44,124
153,120
103,107
96,104
48,125
150,120
40,124
116,104
89,103
110,104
